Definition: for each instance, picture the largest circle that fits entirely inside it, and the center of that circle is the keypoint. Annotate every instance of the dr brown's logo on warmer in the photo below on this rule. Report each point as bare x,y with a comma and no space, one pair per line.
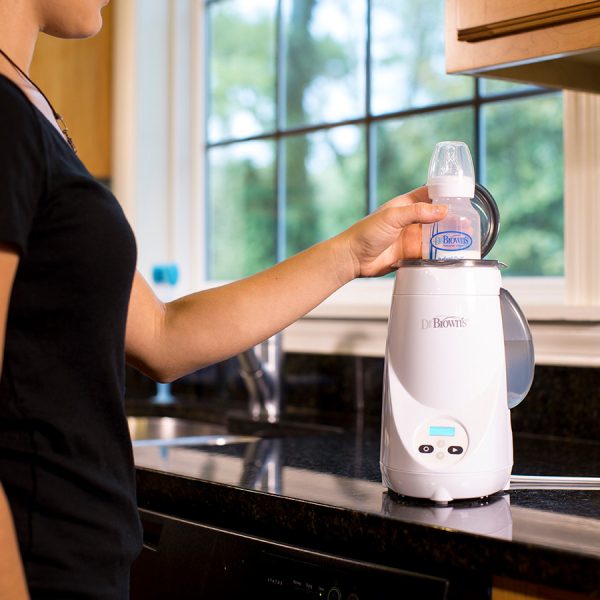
440,322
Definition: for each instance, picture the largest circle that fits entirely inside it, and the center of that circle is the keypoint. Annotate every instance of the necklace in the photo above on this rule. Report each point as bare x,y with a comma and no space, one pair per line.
59,120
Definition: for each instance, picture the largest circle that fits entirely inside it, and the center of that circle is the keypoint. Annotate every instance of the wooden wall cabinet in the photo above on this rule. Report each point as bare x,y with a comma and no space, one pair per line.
76,75
547,42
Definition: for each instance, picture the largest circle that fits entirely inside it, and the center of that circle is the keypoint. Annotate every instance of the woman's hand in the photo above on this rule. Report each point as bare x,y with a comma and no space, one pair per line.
390,234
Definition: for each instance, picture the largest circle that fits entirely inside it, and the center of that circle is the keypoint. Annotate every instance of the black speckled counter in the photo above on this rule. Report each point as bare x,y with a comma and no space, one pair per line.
325,493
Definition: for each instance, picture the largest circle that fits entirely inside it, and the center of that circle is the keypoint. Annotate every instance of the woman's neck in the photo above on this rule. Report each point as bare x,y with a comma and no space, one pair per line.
19,30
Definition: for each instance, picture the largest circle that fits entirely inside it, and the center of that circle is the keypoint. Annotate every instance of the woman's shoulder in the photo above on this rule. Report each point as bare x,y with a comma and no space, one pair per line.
14,104
18,117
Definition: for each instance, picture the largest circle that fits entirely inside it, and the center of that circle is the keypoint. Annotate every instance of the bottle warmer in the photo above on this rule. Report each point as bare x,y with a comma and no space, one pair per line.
459,356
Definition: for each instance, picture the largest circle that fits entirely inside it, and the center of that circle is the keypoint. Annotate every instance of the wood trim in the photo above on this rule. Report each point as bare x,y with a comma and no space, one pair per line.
509,589
540,20
582,197
76,75
124,108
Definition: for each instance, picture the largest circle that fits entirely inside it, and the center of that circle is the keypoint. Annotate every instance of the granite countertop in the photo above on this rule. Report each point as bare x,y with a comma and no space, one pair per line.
324,492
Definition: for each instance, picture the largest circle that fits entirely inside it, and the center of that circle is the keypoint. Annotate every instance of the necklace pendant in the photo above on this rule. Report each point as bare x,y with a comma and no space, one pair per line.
59,120
65,130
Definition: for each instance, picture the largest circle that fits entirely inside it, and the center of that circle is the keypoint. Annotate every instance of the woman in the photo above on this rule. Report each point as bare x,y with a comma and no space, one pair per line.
73,311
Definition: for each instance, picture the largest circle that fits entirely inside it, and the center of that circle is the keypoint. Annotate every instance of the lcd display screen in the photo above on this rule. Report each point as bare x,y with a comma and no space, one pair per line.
439,430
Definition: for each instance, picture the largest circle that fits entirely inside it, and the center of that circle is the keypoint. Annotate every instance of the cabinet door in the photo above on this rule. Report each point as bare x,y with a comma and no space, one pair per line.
76,76
546,42
477,20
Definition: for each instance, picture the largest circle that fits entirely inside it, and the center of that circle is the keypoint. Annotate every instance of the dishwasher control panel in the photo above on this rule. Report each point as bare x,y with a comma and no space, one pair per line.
292,573
184,559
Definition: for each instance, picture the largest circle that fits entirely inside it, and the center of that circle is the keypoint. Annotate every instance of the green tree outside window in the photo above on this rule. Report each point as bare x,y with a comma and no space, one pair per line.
319,110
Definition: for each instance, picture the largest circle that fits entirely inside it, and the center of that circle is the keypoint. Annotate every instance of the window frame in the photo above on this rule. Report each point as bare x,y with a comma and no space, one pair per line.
476,101
564,313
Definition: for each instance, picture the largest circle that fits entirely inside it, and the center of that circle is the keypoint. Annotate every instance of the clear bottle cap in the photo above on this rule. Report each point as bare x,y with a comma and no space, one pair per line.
451,173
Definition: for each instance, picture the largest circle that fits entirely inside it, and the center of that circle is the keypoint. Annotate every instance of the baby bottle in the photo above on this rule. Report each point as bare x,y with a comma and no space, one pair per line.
451,181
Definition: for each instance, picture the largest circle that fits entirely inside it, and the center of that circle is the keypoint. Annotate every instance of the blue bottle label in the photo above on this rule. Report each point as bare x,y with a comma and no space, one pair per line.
451,241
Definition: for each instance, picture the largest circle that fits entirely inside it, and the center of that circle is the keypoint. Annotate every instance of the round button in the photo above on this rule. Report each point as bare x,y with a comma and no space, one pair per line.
334,594
441,443
440,455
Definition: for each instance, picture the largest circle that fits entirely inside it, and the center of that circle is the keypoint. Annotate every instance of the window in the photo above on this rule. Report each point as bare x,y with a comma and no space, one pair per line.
226,179
319,110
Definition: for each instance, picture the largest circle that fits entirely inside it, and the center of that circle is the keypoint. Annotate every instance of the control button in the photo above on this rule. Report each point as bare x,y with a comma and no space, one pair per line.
353,596
441,443
440,455
334,594
455,449
426,448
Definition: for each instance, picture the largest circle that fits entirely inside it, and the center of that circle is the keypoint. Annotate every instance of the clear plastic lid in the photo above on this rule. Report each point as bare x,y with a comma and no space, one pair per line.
489,216
518,350
451,173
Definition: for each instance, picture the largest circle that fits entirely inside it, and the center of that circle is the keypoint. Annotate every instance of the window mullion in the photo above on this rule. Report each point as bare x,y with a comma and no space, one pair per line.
370,136
479,131
280,117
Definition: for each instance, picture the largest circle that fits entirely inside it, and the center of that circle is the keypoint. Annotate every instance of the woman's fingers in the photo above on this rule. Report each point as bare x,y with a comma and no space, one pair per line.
421,212
412,197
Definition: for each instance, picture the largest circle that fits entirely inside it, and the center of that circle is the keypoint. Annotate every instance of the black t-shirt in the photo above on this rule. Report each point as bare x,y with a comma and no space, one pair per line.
65,453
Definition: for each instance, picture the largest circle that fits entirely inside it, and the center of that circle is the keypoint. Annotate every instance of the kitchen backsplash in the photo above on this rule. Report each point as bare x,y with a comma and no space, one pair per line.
344,390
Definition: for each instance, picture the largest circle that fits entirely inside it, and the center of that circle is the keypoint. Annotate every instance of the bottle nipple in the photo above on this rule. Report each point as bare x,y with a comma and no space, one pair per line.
450,166
451,173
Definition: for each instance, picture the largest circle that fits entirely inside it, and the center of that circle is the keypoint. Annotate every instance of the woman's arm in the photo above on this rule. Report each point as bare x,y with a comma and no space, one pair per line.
167,341
12,578
9,261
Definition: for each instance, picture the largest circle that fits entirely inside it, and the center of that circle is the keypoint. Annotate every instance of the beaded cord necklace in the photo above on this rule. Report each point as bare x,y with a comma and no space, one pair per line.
59,120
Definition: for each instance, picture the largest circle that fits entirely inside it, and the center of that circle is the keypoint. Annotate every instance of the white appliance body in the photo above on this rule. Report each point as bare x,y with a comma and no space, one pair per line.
446,431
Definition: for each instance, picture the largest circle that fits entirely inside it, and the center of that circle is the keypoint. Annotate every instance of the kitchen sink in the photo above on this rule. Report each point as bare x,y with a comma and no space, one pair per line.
239,429
240,423
170,431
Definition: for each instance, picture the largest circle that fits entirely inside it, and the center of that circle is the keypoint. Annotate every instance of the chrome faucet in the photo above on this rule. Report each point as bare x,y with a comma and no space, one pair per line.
263,466
260,369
